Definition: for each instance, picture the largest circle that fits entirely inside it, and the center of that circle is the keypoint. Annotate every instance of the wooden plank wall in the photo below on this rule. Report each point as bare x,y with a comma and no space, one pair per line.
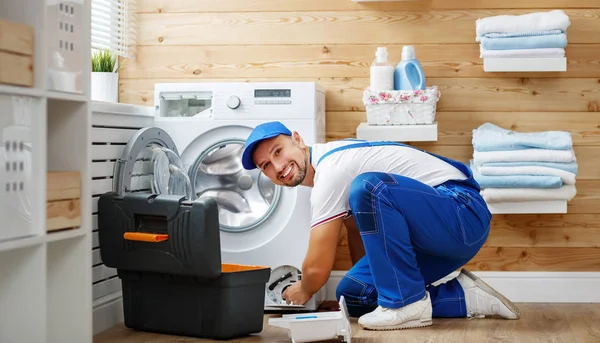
333,42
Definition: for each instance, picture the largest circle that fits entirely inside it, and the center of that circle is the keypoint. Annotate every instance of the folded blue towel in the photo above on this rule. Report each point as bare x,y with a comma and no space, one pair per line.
515,181
568,166
531,42
521,34
490,137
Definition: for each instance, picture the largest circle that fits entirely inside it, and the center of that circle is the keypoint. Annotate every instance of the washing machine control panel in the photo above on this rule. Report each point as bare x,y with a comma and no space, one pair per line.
233,102
272,102
239,100
272,96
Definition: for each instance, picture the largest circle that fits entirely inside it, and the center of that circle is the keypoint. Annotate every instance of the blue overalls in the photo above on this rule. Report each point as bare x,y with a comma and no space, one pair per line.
413,235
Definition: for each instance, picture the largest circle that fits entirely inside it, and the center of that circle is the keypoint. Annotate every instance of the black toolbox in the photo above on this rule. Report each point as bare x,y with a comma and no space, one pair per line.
167,254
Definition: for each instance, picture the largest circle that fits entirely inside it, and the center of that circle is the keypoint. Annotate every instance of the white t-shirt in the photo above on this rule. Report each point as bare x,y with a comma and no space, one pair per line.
333,176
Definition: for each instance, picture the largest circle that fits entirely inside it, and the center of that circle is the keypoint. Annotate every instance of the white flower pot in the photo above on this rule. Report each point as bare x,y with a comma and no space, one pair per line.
105,86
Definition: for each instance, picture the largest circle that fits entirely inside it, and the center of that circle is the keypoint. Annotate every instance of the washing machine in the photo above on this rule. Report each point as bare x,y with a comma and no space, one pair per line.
194,149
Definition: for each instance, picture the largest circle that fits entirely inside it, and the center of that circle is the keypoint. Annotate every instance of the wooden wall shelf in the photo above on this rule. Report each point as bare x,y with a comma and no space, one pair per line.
398,133
525,64
532,207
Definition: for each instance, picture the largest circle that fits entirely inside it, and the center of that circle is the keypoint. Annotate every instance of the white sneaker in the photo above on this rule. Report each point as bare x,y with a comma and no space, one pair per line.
414,315
482,300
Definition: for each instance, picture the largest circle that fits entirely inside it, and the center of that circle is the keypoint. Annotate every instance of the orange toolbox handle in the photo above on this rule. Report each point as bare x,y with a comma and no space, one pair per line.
145,237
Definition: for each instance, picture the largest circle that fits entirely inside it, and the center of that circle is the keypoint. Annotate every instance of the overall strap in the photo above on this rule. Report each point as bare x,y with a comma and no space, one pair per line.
361,144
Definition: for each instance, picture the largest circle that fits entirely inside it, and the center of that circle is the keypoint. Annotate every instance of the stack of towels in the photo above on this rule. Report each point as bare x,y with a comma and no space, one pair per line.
538,35
523,166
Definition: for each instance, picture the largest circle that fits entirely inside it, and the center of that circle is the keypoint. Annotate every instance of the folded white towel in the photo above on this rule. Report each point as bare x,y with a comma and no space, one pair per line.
539,155
568,178
541,52
491,195
537,21
521,34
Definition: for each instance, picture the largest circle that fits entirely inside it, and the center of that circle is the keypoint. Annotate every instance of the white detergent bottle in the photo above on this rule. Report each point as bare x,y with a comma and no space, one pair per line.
382,72
409,74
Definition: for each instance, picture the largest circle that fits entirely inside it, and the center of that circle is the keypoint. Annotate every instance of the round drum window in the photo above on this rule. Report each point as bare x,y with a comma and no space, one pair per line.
246,198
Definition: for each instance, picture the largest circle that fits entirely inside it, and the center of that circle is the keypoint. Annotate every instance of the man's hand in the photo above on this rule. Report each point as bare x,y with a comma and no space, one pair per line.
317,264
296,294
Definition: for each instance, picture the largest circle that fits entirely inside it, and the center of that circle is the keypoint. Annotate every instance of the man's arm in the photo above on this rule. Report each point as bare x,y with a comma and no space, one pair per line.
320,255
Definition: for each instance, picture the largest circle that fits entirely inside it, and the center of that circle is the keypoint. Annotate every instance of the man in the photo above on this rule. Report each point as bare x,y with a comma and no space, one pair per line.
419,215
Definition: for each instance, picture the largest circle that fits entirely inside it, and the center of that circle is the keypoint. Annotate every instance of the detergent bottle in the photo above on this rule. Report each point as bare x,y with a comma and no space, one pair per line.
409,73
382,72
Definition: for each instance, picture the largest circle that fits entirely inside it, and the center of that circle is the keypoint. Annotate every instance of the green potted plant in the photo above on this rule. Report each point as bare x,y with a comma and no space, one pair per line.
105,76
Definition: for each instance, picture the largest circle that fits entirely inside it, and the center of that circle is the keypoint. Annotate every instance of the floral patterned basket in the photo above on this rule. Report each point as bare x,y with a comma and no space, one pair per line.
405,107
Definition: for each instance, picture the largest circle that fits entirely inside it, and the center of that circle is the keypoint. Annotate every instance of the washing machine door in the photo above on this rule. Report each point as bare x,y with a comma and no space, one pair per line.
246,198
150,163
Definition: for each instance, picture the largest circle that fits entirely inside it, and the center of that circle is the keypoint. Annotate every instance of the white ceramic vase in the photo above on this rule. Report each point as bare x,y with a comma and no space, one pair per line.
105,86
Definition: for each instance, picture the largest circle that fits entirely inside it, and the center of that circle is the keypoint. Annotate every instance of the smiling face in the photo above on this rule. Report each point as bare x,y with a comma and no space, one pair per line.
283,159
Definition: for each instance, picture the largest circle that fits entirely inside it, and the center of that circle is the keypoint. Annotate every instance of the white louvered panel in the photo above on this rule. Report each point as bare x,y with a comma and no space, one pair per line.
106,152
94,222
110,135
102,169
102,272
105,169
101,186
96,259
95,205
106,287
122,115
112,126
122,120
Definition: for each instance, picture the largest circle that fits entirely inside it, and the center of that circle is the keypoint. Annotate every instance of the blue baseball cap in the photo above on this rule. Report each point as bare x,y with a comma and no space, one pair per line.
260,133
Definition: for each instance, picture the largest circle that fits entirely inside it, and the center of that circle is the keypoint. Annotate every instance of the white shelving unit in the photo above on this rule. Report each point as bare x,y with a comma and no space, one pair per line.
45,276
549,64
398,133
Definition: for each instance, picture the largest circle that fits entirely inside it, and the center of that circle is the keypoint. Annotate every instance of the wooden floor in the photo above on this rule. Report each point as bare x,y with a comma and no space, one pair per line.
567,323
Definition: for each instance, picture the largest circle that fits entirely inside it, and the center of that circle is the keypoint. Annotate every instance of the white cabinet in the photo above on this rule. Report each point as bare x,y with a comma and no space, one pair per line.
45,276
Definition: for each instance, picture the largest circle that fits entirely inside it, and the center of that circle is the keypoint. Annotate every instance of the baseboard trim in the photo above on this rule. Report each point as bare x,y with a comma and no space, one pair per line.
108,311
555,287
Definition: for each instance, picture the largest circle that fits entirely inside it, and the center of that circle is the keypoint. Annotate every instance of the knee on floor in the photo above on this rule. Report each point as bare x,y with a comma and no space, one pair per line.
343,288
351,287
360,298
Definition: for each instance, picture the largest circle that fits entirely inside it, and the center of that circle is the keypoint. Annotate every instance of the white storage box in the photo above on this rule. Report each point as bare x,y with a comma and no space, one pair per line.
16,158
317,326
405,107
